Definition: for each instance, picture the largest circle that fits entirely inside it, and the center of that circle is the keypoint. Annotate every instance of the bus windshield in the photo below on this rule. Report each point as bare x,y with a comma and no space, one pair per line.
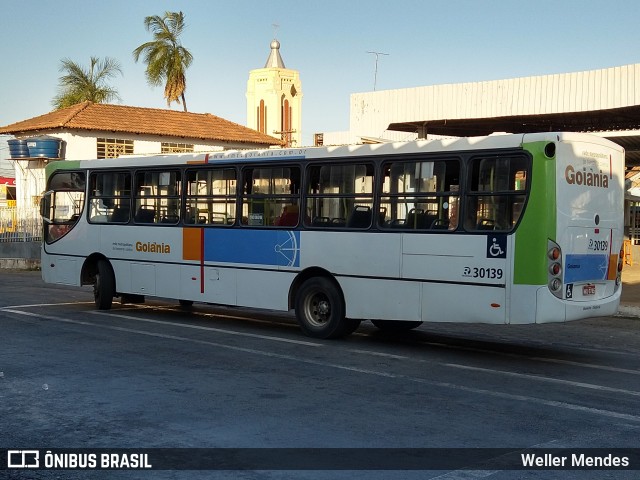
62,204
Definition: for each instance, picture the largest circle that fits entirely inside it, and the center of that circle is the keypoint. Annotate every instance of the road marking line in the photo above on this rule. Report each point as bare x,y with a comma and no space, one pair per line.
544,379
209,329
320,363
46,305
540,401
542,359
586,365
378,354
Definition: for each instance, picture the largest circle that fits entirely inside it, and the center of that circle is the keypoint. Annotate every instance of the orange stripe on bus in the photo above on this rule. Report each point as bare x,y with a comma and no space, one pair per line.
191,243
199,162
612,271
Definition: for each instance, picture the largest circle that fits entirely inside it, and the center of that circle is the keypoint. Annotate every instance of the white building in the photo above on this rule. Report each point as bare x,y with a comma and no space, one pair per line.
605,102
90,130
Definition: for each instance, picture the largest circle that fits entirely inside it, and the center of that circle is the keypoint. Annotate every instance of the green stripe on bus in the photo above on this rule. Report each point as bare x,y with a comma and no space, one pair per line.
60,165
539,221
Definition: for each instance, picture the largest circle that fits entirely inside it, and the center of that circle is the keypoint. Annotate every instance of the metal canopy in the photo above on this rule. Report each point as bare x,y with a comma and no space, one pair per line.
620,125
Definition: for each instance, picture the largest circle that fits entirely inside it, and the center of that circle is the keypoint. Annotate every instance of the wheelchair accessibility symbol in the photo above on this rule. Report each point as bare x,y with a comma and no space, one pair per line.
497,246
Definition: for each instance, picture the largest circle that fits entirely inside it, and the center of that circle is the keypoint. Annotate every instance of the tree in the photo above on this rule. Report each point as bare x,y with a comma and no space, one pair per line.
79,84
166,59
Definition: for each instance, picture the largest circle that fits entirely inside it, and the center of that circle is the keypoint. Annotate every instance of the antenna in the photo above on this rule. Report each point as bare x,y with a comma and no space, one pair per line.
275,29
375,72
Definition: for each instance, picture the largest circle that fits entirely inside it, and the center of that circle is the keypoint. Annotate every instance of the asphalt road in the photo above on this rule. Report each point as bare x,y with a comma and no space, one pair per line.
158,376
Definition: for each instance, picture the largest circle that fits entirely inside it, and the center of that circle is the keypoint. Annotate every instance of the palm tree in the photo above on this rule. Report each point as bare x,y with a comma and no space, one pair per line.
79,84
166,59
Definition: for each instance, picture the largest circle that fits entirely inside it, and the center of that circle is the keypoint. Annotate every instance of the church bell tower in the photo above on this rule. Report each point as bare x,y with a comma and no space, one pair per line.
274,100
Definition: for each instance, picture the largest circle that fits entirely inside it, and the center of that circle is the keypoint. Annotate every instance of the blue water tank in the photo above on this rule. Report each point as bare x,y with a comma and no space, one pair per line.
18,148
44,146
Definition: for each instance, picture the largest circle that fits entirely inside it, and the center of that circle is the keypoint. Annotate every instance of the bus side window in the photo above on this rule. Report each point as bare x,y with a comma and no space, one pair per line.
120,215
157,196
497,191
271,196
289,216
360,217
339,196
110,197
145,215
420,195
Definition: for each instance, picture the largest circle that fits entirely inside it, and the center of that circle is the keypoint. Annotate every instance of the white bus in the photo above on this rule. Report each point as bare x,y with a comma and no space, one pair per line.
500,229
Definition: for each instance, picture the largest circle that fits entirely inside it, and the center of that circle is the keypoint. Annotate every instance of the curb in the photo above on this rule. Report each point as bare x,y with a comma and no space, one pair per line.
628,311
20,263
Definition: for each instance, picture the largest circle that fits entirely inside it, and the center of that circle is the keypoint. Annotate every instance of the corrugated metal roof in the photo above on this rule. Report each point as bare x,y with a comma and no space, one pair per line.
606,89
589,101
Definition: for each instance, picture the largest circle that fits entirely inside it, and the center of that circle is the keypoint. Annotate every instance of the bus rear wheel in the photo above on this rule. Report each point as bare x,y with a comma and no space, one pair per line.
320,310
104,286
395,325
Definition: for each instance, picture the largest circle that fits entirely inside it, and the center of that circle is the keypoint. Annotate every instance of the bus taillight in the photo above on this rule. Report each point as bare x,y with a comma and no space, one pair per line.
620,266
554,268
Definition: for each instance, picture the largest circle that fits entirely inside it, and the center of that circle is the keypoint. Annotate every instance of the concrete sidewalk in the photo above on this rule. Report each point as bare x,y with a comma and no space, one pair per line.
630,300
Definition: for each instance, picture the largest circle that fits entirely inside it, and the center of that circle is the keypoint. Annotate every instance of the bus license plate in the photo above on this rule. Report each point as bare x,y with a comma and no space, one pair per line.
588,290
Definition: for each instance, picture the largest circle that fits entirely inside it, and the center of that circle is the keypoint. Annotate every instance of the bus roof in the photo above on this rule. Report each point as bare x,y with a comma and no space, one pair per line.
491,142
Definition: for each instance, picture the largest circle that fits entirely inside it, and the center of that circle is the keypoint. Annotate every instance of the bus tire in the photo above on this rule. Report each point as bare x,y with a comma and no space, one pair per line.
320,309
104,286
186,303
396,325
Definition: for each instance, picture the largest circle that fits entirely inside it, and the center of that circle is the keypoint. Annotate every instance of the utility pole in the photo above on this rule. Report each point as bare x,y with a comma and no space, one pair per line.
375,72
285,136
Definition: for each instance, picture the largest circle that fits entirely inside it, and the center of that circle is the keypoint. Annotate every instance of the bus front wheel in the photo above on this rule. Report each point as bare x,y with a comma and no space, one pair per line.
320,310
104,286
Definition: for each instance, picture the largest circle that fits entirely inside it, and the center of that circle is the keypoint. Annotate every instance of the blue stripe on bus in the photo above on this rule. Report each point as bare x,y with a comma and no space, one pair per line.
279,248
585,267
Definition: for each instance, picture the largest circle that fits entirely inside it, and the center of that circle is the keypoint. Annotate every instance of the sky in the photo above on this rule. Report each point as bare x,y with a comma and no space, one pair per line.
428,42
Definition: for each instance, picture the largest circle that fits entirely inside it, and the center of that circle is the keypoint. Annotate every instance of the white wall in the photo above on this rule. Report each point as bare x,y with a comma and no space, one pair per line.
372,112
82,145
29,181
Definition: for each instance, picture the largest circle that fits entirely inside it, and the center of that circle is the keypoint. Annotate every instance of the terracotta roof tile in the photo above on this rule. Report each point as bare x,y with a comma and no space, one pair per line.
150,121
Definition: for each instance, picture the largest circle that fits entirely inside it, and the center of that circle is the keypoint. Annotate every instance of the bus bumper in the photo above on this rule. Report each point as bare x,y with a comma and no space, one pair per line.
552,309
